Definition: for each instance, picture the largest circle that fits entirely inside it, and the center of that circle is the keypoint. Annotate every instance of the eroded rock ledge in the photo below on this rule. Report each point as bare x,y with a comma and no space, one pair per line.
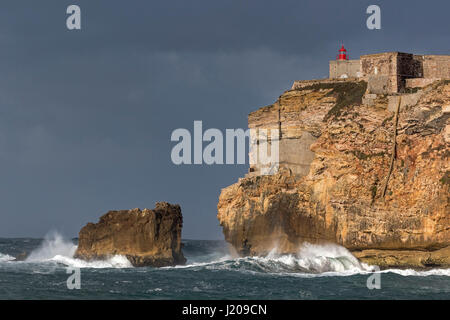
337,196
146,237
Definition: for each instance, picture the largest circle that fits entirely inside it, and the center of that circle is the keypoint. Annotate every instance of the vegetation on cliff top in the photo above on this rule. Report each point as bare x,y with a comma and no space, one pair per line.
347,94
446,178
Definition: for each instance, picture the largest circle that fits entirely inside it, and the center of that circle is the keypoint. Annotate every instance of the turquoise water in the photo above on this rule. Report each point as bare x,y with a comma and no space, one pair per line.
318,272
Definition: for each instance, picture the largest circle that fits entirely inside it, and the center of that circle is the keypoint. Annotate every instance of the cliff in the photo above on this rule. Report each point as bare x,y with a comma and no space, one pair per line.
146,237
338,182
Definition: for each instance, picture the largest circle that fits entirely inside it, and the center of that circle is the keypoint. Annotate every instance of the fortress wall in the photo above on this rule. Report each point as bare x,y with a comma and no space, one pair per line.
436,66
389,72
351,68
378,84
393,72
298,84
381,70
418,64
379,63
408,67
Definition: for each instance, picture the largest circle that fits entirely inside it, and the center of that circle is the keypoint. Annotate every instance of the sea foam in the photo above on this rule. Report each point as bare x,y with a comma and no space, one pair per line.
311,261
6,257
116,261
55,248
53,245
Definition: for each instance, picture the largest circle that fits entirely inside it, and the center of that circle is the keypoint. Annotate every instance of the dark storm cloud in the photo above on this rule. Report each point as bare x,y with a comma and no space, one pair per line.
86,116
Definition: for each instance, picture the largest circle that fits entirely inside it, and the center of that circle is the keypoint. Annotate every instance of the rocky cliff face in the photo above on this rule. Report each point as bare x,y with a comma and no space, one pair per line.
337,196
146,237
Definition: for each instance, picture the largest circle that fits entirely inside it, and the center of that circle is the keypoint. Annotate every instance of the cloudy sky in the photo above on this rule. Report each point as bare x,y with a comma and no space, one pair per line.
86,116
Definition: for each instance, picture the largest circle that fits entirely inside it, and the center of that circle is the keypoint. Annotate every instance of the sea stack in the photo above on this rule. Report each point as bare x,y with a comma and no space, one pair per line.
146,237
363,163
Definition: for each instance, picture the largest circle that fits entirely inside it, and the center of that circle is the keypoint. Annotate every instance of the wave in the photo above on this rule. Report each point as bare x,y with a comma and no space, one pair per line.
415,273
6,257
53,245
116,261
56,249
310,261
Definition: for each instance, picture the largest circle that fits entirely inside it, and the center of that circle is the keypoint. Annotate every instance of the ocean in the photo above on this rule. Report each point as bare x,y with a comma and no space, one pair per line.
211,272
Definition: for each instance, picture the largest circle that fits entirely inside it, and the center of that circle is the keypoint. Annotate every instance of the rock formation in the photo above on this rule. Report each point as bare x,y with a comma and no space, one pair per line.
337,195
146,237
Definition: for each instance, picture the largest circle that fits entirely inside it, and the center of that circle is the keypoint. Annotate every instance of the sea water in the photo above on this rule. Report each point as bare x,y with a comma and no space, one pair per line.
211,272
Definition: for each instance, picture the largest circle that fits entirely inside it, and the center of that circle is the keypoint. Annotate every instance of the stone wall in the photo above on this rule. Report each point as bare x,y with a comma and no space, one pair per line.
435,66
345,69
399,67
393,72
379,84
382,69
299,84
418,82
407,67
379,63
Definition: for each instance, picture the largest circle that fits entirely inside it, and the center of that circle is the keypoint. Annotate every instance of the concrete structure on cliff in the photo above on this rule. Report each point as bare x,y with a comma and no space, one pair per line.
392,72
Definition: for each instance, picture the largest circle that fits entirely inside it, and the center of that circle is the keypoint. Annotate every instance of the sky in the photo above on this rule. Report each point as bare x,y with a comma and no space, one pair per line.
86,115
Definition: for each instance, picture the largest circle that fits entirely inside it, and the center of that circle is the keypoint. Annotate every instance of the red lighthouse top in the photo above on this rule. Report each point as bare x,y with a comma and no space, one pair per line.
342,54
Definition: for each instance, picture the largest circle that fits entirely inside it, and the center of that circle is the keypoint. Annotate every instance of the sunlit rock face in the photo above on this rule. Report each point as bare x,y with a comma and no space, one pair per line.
146,237
334,162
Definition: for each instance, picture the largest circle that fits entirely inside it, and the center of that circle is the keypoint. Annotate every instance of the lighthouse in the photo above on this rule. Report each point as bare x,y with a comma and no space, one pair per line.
342,56
343,67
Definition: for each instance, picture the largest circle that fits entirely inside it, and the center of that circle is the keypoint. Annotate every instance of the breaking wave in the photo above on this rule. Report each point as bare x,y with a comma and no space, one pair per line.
116,261
414,273
56,249
310,261
6,257
53,245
